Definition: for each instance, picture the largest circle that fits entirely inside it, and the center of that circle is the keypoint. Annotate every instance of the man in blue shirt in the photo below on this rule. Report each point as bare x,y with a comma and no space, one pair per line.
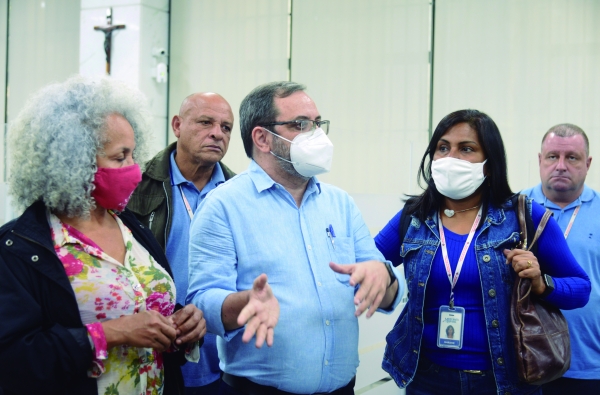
277,221
564,163
173,184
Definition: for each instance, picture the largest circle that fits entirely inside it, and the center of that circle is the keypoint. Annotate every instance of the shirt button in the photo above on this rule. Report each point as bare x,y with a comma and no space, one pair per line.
421,284
319,284
326,322
326,362
500,361
495,324
486,258
9,242
492,293
309,247
34,258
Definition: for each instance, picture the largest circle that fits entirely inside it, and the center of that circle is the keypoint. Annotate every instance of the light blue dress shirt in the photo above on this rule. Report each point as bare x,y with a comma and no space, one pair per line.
251,225
584,242
206,370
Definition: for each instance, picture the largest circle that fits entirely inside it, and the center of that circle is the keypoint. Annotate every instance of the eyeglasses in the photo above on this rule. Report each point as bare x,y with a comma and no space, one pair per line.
303,125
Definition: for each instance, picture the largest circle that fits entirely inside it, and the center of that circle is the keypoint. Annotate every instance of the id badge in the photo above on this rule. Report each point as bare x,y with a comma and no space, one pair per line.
450,327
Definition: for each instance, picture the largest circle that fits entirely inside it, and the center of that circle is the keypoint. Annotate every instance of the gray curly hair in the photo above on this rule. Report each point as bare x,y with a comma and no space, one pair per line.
55,139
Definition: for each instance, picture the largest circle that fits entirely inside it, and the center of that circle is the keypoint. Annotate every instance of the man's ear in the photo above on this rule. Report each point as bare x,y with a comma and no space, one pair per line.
588,162
539,159
176,124
260,138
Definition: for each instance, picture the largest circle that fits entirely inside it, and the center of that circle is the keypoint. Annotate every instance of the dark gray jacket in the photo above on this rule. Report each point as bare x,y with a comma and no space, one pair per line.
152,200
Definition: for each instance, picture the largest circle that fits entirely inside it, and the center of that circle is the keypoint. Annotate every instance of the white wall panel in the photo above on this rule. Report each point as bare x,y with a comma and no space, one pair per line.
43,47
3,43
528,64
228,47
366,64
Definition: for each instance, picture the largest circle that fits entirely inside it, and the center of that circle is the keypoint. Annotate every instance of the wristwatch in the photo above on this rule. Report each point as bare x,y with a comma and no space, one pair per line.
549,285
393,278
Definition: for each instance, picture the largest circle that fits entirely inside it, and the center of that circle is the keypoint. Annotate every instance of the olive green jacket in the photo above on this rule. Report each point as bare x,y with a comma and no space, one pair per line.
152,200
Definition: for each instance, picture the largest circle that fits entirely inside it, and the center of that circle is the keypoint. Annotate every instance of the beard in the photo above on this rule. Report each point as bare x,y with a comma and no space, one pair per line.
282,150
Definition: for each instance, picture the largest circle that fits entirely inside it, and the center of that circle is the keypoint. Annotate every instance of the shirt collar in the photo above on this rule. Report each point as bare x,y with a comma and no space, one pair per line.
586,195
177,178
262,181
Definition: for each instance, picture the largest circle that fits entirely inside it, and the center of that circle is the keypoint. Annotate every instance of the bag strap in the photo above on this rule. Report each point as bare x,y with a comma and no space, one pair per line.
541,227
526,225
522,213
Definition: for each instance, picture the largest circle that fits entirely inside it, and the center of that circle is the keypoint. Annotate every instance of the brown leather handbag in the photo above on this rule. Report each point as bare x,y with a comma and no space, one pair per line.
540,331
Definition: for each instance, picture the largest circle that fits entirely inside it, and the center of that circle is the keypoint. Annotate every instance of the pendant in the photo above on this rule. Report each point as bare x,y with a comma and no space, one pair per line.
449,213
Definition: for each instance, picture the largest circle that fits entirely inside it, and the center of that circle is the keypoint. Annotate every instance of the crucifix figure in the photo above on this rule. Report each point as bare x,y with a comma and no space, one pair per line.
107,30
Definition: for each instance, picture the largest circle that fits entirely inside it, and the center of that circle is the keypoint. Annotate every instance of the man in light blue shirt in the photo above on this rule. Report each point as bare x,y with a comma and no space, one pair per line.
564,163
286,226
173,184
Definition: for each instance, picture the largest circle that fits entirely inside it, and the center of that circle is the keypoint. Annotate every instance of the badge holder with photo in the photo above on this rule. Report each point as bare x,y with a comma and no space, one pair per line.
451,316
454,318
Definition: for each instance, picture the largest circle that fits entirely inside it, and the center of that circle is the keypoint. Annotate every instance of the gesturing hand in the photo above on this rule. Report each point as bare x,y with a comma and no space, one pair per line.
190,324
373,278
261,313
144,329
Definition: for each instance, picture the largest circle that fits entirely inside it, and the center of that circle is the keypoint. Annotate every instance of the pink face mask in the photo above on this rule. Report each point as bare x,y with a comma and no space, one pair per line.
115,186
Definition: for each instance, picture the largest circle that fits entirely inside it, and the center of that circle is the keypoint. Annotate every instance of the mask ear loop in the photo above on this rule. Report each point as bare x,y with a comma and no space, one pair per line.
277,135
274,154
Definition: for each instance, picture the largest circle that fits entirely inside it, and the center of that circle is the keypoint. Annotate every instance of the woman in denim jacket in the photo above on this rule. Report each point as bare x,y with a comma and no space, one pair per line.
465,219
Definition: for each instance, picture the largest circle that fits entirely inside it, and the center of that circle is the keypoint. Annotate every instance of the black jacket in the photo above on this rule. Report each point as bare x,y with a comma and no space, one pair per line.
152,200
44,347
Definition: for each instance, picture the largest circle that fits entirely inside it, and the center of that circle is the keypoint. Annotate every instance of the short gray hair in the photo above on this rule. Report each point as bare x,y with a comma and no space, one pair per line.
568,130
55,139
258,108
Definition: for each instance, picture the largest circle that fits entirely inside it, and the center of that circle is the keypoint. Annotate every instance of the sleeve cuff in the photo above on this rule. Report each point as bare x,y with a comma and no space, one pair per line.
99,347
401,289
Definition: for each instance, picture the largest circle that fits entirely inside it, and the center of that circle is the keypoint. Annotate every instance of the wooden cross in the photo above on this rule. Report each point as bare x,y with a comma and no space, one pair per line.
107,30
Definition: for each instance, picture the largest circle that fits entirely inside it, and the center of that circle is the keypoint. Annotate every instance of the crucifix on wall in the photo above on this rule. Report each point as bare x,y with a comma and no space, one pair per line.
107,30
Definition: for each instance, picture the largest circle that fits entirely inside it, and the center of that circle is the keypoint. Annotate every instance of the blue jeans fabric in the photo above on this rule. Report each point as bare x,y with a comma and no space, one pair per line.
433,379
499,231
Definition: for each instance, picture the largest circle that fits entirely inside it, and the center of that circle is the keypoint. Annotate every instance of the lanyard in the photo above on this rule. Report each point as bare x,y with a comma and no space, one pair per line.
572,220
187,204
463,254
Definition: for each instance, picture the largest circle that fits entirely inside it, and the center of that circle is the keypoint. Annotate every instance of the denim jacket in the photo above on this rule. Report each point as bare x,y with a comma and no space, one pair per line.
499,230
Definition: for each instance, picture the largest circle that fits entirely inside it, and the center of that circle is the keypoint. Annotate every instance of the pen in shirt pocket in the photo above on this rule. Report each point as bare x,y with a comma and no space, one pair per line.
331,234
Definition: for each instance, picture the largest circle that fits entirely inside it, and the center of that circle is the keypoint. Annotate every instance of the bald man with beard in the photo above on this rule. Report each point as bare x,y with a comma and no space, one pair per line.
173,184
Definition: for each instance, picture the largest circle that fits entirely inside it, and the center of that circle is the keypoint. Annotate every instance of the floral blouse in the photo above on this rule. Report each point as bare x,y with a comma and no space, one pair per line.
106,289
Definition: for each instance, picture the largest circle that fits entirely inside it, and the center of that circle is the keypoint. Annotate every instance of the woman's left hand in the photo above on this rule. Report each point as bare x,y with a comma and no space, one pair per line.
526,265
190,324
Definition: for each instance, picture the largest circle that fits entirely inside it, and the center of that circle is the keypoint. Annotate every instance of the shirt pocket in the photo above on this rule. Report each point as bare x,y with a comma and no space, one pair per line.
493,255
410,253
341,251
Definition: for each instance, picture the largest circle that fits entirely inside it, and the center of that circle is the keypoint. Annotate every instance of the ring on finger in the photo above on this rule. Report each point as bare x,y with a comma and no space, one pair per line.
529,264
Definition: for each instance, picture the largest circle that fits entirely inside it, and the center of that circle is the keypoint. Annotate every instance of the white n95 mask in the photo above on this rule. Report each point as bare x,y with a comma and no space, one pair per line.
457,178
311,152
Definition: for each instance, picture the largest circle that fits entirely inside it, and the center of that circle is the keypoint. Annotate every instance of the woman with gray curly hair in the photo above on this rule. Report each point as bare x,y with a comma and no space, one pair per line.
87,299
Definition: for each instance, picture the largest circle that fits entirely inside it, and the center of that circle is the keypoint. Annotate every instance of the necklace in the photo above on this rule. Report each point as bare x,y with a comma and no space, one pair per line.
450,213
